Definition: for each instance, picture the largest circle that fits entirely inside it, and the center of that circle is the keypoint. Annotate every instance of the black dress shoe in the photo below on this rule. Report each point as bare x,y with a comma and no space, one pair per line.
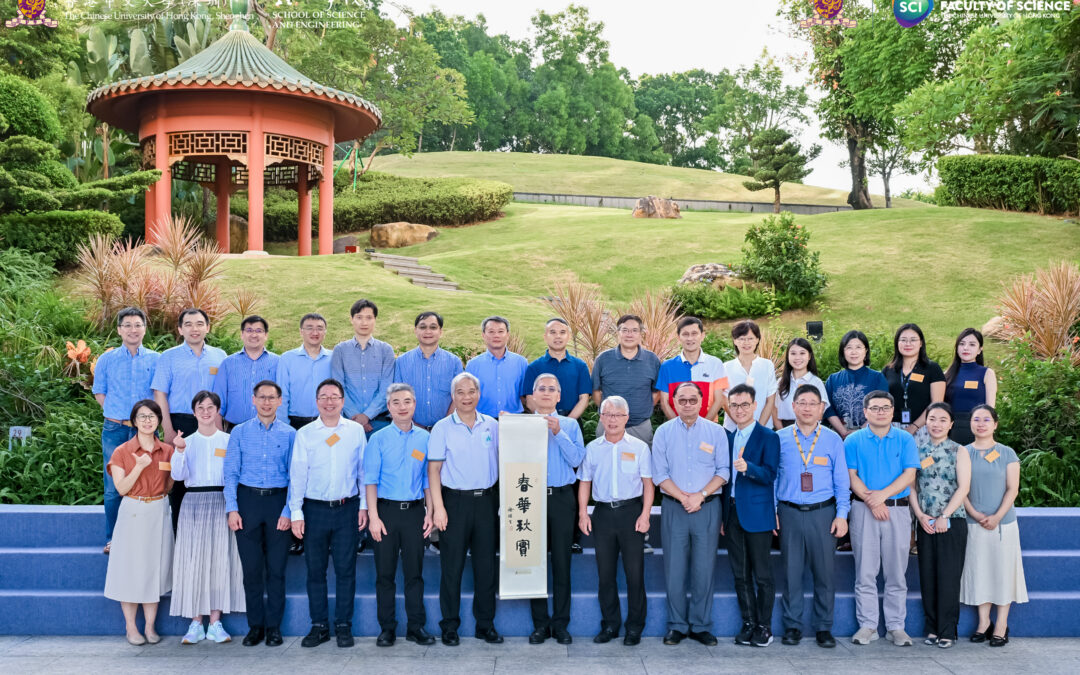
674,637
450,638
605,636
538,636
576,549
705,637
420,637
792,636
297,547
255,636
490,636
745,633
273,637
319,634
386,639
983,636
825,639
344,636
632,639
1000,640
562,636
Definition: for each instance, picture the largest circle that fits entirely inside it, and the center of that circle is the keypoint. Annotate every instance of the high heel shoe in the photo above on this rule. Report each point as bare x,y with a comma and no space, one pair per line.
996,641
985,635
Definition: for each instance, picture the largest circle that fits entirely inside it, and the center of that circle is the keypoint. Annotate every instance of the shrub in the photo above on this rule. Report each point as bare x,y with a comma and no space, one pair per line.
776,254
733,302
1010,182
919,196
26,110
57,234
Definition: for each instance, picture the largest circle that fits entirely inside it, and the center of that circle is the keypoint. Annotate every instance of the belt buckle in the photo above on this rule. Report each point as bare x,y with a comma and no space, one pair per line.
616,503
477,493
549,491
338,502
404,506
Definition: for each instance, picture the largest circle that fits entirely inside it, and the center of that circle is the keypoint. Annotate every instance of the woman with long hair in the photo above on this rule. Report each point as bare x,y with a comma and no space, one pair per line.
800,367
914,380
968,383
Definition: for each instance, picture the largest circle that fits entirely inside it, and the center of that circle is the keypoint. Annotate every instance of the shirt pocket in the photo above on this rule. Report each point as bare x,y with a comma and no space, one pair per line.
702,457
628,466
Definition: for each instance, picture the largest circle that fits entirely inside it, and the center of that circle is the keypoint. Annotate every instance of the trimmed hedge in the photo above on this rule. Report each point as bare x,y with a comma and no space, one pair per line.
57,234
1010,182
26,110
383,198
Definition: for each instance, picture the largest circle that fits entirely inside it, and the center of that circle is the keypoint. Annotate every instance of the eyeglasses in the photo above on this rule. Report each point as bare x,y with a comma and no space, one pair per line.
129,326
741,406
745,338
879,408
254,331
267,399
614,415
146,417
206,408
329,398
909,341
687,401
807,404
629,331
314,329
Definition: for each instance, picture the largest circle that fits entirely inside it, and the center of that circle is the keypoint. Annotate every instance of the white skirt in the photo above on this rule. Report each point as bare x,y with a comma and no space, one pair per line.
993,566
140,558
206,568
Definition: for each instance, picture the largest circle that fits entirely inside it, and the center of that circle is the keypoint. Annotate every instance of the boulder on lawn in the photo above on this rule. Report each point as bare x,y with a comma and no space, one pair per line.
656,207
396,235
715,274
237,233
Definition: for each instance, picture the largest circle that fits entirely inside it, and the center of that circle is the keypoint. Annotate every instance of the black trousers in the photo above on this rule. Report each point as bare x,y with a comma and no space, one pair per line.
297,422
263,551
806,541
941,564
748,553
404,536
331,531
472,527
189,425
561,523
613,533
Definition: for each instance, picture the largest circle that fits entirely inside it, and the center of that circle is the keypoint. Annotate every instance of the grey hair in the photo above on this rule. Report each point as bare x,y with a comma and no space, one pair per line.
463,376
546,376
615,401
398,387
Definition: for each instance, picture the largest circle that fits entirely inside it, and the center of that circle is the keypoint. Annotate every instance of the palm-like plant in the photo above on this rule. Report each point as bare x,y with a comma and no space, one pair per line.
1043,309
591,323
661,317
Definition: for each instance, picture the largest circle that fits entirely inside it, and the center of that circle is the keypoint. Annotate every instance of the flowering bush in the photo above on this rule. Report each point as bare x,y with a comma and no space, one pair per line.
776,253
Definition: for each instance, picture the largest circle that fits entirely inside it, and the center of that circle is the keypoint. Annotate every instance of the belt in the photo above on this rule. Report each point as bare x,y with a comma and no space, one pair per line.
707,499
903,501
810,507
126,423
265,492
619,503
146,500
559,489
206,488
334,503
404,506
470,493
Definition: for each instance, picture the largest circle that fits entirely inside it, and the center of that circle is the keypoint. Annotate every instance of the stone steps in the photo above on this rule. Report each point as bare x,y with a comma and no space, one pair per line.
410,268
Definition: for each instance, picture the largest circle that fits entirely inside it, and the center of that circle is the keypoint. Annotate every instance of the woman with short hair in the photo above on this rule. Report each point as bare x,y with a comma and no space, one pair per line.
752,370
847,387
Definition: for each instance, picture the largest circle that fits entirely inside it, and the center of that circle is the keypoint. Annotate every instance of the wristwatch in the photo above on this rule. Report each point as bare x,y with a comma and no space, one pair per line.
705,494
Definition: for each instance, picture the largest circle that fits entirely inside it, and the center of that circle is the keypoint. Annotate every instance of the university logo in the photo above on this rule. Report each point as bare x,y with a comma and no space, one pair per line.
910,13
31,13
828,14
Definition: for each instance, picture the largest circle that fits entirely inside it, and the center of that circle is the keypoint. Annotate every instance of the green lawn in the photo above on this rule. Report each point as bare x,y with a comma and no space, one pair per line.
938,267
576,174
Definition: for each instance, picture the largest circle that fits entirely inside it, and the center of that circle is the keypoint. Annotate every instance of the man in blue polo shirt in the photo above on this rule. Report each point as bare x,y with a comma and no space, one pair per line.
499,370
882,461
239,372
574,379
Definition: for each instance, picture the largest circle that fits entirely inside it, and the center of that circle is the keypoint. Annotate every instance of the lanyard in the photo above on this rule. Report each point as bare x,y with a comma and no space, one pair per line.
905,380
805,457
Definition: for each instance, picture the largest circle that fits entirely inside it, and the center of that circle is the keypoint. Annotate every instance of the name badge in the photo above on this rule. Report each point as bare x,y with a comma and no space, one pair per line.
971,384
417,455
992,455
749,381
219,452
821,461
164,466
916,377
706,447
629,457
927,462
806,481
334,438
213,370
905,417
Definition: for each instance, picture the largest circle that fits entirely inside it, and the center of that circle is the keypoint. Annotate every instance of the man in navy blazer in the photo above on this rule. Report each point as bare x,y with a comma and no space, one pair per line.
750,516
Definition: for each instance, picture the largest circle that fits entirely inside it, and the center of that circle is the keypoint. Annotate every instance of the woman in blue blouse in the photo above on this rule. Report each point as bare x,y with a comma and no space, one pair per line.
968,383
847,388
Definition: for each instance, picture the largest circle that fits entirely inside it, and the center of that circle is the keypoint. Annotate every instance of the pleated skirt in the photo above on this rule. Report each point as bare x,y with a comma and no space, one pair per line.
141,555
993,566
206,565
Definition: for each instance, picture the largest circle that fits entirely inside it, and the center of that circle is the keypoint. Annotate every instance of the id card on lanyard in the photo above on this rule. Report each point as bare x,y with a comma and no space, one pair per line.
806,479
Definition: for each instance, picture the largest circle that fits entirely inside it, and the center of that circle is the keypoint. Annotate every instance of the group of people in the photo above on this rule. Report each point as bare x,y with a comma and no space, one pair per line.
321,446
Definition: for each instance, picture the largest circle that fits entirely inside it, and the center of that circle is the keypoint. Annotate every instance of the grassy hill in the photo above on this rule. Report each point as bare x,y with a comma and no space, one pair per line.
576,174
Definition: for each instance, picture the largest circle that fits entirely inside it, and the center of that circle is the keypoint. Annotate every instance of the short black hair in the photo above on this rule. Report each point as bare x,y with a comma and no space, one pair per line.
743,389
330,382
848,337
204,395
253,319
266,383
688,383
806,389
361,304
131,311
192,310
877,393
556,319
690,321
423,315
150,405
496,319
743,327
629,317
312,316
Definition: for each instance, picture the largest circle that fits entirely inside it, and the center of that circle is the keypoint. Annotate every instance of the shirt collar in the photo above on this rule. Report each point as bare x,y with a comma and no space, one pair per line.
685,360
548,357
323,351
480,417
261,354
637,356
690,426
492,357
434,354
356,342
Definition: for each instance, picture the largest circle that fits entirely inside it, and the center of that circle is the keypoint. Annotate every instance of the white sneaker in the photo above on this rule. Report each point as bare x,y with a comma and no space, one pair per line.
865,636
216,632
194,634
899,637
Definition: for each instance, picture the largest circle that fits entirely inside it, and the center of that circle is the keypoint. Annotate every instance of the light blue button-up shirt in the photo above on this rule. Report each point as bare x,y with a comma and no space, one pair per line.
327,464
366,372
500,381
235,383
566,449
828,467
299,374
180,374
690,456
430,378
616,469
396,461
258,456
125,379
470,457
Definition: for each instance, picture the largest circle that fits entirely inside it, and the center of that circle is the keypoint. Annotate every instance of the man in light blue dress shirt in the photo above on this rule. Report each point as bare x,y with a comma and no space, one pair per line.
239,372
429,369
364,365
300,370
499,370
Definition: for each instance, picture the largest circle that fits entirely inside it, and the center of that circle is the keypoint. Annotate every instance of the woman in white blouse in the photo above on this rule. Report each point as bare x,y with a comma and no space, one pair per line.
750,369
800,368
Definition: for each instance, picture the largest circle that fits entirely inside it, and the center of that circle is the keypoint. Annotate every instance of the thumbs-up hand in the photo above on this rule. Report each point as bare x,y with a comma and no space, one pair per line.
142,461
739,464
179,443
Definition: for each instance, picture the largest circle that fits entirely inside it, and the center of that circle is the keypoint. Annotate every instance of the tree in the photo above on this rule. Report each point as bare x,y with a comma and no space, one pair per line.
778,159
680,104
888,156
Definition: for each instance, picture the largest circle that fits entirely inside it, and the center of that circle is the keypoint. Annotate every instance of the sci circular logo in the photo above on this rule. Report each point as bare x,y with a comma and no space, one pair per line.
910,13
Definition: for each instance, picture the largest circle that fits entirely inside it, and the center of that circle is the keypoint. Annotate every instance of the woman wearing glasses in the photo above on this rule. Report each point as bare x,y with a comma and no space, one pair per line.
914,380
752,370
140,564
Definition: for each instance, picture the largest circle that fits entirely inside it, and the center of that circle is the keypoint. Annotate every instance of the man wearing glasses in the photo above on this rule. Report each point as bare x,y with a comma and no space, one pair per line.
300,370
239,372
121,378
882,461
629,371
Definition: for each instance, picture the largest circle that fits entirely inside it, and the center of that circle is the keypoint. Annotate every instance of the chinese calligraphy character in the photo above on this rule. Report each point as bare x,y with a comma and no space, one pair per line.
523,504
523,525
522,547
523,483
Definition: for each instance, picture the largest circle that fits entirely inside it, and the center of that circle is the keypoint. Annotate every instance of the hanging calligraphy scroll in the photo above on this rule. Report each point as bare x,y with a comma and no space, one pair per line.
523,506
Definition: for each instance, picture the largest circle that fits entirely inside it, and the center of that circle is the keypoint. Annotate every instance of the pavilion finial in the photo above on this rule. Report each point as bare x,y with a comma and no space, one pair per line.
240,10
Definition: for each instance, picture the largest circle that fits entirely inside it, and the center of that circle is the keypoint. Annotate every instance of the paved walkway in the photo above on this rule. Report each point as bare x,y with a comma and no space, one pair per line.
26,654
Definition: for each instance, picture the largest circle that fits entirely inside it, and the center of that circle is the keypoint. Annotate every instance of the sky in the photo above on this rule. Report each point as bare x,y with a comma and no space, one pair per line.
675,36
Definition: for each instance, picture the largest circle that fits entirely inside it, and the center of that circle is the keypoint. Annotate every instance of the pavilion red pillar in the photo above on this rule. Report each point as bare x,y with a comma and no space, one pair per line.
221,191
163,188
326,200
303,195
149,211
255,182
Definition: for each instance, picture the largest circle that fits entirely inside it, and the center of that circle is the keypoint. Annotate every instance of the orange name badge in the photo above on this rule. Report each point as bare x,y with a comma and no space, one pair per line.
971,384
219,452
164,466
629,456
992,455
821,461
917,377
927,462
334,438
213,370
417,455
706,447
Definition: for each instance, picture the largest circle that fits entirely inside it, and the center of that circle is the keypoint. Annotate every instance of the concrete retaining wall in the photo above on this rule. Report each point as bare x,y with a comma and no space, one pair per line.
684,204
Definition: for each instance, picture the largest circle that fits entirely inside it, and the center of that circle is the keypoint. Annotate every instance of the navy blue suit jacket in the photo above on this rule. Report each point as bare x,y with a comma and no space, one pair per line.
754,499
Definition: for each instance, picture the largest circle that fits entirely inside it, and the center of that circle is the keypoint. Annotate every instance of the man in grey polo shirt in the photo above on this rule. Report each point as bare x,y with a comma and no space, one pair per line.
629,371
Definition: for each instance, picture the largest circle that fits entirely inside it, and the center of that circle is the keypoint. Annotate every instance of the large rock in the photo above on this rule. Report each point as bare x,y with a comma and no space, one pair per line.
715,274
238,233
396,235
656,207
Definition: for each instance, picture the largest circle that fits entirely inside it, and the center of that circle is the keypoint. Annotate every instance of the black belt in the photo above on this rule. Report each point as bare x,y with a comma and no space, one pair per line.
619,503
401,505
206,488
333,503
707,499
810,507
265,492
903,501
559,489
470,493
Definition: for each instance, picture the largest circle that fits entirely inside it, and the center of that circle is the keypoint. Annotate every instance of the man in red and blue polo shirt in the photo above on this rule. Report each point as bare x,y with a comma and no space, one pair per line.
693,365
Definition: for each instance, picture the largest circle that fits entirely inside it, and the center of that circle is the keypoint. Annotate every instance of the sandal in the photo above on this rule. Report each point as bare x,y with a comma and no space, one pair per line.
944,643
930,640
